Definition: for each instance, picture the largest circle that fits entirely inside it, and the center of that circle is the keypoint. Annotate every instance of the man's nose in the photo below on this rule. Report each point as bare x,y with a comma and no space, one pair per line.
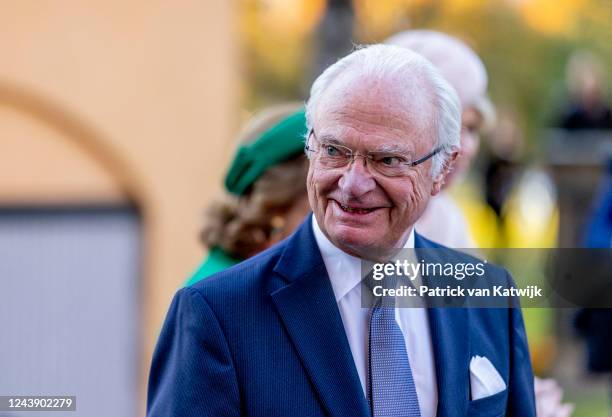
357,179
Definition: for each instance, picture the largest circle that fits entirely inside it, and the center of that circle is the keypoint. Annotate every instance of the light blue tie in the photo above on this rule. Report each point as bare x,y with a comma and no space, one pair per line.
391,386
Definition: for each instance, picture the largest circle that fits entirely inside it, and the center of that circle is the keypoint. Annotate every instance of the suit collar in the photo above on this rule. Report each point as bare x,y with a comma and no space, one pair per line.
308,309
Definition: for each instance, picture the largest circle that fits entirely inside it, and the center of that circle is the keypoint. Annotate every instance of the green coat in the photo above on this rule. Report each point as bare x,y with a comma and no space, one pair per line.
216,261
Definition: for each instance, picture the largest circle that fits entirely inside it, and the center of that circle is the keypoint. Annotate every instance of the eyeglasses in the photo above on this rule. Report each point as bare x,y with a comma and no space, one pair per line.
333,156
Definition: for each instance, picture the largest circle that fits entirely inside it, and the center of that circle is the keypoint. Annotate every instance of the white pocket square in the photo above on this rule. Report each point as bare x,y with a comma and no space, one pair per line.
484,378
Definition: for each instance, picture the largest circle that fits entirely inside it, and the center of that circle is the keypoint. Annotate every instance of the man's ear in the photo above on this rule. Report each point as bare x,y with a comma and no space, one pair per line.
438,182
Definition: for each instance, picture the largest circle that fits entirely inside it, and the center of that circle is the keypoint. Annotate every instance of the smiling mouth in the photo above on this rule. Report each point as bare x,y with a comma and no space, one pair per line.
355,210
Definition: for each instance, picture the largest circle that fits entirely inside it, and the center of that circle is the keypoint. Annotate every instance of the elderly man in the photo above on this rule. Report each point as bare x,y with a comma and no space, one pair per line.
284,333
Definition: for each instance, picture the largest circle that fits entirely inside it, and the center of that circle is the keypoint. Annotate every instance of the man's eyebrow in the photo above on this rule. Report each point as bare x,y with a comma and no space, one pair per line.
393,147
330,139
386,147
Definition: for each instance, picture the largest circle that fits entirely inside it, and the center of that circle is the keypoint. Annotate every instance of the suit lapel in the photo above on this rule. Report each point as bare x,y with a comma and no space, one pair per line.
308,310
450,340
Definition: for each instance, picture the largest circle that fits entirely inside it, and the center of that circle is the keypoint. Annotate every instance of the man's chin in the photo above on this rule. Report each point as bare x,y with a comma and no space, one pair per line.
357,242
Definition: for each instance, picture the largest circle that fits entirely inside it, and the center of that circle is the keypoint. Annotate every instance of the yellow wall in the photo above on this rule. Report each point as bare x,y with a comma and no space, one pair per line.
115,101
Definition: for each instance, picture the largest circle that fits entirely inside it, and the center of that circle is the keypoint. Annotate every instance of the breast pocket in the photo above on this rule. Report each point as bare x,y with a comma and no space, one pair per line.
491,406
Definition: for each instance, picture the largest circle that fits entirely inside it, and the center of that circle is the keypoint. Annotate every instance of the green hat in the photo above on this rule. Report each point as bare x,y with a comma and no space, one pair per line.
277,144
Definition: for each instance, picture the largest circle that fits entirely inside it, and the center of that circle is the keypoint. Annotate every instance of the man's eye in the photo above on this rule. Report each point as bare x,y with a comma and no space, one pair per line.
391,161
331,150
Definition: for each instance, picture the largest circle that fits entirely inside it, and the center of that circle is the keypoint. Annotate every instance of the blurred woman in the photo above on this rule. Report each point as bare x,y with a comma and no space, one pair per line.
464,70
265,191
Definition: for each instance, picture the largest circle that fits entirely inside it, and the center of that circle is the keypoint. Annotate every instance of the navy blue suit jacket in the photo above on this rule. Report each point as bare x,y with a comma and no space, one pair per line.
265,338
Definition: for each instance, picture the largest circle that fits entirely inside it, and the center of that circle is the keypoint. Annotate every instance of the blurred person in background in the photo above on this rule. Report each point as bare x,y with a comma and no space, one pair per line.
443,221
599,230
464,70
504,151
587,107
593,324
264,198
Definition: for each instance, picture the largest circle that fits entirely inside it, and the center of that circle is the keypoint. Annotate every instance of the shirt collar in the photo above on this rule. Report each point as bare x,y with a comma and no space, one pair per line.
343,269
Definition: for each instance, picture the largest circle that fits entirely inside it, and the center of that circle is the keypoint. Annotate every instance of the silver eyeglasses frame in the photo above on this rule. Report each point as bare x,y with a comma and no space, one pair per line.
351,155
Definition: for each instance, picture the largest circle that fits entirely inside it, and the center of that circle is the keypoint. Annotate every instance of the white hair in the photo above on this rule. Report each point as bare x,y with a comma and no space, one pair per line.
395,63
458,64
456,61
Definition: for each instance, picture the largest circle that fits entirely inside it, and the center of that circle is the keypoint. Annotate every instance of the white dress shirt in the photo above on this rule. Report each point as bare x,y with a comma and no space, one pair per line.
345,275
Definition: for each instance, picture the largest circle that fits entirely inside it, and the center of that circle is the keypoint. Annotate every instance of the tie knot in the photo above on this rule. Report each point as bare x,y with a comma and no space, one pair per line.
389,283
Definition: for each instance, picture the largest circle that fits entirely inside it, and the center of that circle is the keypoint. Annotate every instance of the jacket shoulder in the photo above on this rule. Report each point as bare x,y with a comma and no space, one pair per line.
495,273
244,276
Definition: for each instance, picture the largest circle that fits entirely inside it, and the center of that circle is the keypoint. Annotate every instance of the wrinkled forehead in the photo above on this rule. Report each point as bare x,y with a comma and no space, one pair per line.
391,108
